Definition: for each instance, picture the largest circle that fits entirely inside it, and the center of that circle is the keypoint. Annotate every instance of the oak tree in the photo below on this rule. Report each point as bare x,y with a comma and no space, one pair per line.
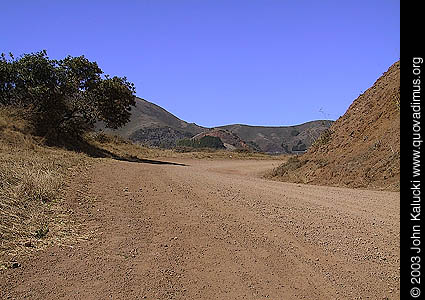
67,95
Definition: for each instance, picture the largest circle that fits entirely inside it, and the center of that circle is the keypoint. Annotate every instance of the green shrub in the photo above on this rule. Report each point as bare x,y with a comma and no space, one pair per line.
211,142
42,231
204,142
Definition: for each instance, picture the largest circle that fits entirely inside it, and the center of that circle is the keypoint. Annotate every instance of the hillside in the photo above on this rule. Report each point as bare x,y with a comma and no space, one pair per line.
230,140
362,148
283,139
152,125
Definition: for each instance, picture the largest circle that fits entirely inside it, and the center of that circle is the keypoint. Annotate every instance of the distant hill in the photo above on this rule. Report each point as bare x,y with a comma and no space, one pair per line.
362,148
284,139
230,140
152,125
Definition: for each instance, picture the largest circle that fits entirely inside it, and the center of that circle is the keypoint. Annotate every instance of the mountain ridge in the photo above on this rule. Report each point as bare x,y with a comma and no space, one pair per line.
152,125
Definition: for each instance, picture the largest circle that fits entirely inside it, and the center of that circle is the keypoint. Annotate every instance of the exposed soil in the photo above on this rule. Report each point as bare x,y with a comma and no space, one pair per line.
216,230
362,148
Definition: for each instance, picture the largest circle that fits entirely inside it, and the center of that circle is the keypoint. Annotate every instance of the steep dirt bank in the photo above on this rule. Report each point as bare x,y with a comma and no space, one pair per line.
362,148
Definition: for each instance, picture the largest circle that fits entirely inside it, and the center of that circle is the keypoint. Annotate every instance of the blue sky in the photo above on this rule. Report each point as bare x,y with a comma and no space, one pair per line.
217,62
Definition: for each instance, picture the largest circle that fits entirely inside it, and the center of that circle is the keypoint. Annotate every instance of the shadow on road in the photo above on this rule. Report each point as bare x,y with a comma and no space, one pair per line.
148,161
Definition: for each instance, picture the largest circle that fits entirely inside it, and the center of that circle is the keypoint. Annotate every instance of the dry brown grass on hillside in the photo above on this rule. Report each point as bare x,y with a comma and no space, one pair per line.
31,181
362,148
120,148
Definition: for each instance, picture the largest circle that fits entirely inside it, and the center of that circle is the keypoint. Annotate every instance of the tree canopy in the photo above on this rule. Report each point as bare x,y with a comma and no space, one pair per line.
67,95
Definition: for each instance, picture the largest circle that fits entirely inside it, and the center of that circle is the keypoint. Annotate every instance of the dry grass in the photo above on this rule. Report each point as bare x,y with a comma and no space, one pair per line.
127,150
31,181
119,147
291,164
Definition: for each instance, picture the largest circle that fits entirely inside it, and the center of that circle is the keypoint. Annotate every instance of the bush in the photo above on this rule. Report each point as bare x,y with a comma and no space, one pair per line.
211,142
187,143
204,142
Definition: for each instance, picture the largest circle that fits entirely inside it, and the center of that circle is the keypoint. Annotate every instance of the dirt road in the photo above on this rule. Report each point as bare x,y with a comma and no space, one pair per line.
216,230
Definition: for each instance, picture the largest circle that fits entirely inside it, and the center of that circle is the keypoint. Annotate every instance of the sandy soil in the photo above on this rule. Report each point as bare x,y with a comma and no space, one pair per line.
216,230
